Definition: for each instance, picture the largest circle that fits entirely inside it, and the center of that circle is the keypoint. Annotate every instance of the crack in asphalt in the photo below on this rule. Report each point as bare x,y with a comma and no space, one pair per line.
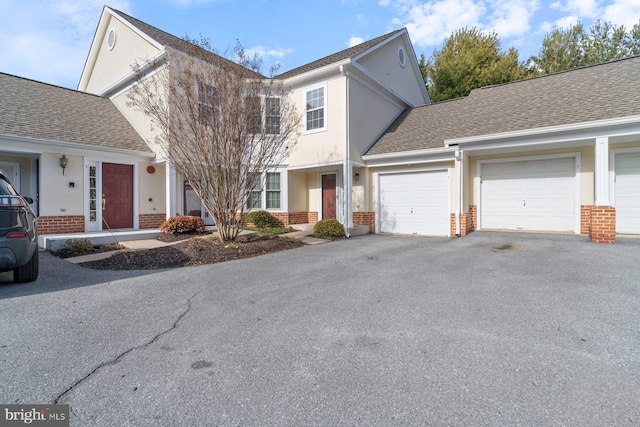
124,354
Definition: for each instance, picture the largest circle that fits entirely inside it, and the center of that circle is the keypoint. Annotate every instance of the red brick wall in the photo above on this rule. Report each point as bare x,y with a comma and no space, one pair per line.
151,220
285,219
365,218
473,211
452,224
467,222
603,224
61,224
585,219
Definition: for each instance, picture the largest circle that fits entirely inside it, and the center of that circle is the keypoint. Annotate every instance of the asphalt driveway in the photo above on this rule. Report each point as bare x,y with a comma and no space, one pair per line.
491,329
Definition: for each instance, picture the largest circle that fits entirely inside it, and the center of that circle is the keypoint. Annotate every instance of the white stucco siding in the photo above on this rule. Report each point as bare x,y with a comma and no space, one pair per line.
370,113
57,197
151,196
324,146
384,65
111,65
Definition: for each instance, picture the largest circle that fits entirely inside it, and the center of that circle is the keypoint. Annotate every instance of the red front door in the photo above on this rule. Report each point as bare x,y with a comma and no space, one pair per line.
329,196
117,196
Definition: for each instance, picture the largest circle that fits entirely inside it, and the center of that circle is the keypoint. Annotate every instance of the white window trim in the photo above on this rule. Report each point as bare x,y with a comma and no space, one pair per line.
283,192
305,90
577,156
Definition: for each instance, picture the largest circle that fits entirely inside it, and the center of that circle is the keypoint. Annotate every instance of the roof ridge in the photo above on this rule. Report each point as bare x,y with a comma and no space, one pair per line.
357,49
583,67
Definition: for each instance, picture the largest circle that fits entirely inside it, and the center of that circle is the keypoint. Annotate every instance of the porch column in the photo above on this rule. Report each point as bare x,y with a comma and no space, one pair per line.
602,172
603,215
170,190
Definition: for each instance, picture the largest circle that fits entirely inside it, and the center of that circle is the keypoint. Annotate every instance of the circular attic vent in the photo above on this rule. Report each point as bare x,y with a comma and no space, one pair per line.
111,38
401,57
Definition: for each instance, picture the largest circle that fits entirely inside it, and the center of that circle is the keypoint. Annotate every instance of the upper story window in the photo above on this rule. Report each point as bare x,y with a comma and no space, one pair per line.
207,95
315,105
271,117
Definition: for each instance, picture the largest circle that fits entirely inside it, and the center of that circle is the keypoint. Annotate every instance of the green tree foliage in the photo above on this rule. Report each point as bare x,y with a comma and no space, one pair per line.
469,59
567,48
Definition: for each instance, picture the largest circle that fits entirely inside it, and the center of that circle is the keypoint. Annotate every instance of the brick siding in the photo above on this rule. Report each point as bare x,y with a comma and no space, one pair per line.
285,219
151,220
61,224
603,224
585,220
365,218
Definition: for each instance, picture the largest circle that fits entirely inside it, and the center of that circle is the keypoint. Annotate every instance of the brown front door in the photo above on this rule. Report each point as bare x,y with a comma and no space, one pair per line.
329,196
117,196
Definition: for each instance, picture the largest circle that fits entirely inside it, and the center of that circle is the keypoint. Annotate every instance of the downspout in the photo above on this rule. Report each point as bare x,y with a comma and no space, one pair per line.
347,168
459,163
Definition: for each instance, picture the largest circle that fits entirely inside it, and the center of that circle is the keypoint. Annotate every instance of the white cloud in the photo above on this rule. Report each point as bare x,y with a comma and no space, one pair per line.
353,41
623,12
429,23
567,21
510,18
267,53
580,8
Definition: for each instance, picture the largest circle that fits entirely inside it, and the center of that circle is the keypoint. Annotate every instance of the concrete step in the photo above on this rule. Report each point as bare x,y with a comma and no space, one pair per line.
359,230
303,227
53,242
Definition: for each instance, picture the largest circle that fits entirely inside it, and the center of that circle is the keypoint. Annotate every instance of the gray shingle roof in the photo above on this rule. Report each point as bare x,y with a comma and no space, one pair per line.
181,45
338,56
599,92
43,111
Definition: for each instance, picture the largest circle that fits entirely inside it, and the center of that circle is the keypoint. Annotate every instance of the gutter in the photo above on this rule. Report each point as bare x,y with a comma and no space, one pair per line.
347,172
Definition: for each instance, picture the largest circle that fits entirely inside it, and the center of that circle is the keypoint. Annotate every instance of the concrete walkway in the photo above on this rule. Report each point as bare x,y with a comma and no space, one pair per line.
140,245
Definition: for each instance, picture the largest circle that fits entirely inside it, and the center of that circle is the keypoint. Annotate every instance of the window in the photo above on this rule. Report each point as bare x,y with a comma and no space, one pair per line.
255,197
207,95
315,109
254,114
272,116
271,192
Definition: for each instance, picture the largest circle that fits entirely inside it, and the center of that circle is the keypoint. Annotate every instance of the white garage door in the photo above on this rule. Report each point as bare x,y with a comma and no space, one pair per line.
529,195
415,203
628,193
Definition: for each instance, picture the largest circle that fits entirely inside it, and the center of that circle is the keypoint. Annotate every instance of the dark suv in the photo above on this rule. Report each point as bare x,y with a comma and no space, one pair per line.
18,234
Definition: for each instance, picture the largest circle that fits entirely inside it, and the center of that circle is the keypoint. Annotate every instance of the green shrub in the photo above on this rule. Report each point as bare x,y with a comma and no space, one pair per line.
79,245
182,224
328,228
261,219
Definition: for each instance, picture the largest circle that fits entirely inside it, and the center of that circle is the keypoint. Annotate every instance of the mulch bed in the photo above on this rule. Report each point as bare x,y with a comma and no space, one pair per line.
195,251
68,253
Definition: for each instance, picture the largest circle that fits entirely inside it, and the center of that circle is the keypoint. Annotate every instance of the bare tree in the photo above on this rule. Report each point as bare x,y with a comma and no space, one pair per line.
220,123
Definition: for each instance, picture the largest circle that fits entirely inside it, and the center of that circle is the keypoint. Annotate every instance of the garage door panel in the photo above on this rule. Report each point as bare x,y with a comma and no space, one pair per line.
534,195
627,192
414,203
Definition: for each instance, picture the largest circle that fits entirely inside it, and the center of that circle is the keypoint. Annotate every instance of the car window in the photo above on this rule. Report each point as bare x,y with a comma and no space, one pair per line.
6,189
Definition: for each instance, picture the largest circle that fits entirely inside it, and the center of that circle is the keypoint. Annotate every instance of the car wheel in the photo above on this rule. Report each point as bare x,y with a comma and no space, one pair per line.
29,271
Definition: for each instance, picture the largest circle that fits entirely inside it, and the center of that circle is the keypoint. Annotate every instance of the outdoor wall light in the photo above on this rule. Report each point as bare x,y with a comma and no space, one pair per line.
357,176
63,163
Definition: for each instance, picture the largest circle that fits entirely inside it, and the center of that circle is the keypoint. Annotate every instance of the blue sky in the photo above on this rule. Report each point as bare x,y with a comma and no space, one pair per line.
48,40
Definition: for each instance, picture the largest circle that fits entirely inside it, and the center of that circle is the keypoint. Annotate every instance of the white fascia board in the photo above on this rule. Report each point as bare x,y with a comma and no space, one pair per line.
584,130
134,28
21,144
151,66
315,74
101,29
414,64
316,166
369,81
431,155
